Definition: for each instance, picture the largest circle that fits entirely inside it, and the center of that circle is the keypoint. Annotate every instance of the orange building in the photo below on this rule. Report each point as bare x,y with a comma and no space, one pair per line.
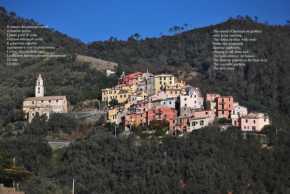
136,116
224,106
161,112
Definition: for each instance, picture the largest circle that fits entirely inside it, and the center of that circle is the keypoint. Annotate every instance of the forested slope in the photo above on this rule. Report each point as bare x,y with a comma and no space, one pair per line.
62,76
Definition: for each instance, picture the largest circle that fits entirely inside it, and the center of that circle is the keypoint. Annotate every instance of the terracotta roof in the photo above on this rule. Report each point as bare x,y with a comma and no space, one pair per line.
45,98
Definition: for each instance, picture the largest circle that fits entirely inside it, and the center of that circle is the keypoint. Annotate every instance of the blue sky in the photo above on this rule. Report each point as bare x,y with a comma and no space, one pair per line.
91,20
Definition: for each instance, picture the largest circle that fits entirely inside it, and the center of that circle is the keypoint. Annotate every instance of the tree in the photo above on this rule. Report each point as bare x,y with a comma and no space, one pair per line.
137,36
170,31
256,18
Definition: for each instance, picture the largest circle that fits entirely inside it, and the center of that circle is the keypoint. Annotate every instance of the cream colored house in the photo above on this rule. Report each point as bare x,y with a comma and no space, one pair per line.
44,105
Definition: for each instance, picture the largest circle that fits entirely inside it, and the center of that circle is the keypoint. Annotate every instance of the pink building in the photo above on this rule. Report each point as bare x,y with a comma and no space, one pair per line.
205,114
254,121
225,104
159,96
131,79
190,99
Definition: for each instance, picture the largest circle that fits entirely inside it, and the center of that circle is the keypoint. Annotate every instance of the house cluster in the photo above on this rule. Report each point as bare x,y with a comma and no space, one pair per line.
140,98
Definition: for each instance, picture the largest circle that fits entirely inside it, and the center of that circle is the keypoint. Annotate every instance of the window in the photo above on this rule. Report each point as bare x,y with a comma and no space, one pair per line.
164,78
56,100
229,99
160,82
254,121
32,102
171,92
202,122
185,104
195,102
160,78
206,113
124,95
38,83
131,117
246,120
165,115
169,102
175,92
121,96
190,96
38,89
170,78
245,127
254,128
33,114
185,99
265,120
42,101
235,123
223,112
170,82
163,103
194,96
173,121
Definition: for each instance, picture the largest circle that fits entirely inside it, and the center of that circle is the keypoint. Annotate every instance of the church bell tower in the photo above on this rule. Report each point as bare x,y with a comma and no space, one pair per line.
39,88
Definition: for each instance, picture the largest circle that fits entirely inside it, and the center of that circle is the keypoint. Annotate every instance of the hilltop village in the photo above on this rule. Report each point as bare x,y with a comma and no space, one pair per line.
146,100
141,99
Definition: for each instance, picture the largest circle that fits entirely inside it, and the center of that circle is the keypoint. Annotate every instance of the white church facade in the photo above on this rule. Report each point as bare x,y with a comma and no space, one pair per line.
44,105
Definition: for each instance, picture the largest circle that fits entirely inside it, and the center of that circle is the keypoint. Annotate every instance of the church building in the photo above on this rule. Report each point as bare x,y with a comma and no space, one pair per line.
44,105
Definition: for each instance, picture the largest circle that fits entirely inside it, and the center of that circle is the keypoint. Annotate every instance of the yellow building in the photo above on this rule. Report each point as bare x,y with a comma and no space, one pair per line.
121,95
116,113
174,91
163,80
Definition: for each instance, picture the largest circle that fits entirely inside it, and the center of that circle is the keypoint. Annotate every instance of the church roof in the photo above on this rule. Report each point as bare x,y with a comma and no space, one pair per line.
45,98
